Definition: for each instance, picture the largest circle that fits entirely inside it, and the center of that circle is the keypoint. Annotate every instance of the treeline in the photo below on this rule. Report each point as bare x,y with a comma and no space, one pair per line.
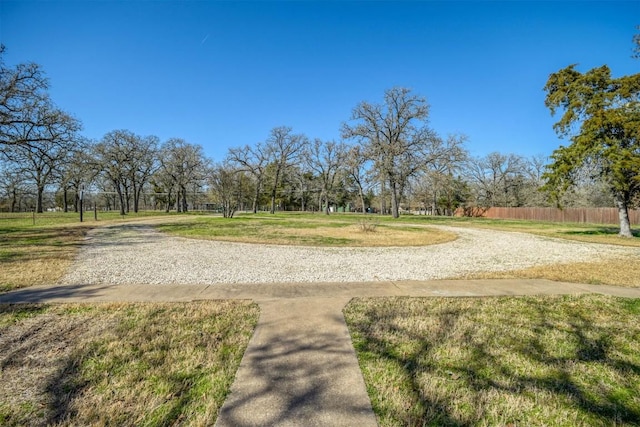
389,160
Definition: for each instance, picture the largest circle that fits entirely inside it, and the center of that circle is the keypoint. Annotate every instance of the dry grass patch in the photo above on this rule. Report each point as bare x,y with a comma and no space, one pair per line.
313,231
37,255
530,361
354,236
615,271
41,254
120,364
588,233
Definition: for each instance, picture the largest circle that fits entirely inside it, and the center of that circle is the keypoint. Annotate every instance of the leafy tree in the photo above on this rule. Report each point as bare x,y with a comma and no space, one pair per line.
601,115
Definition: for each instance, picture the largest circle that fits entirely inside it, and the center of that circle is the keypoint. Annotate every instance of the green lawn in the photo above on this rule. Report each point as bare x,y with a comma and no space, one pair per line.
120,364
309,230
528,361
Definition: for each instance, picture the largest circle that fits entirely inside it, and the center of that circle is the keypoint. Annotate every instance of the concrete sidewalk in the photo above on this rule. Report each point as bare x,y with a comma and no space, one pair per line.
300,367
261,292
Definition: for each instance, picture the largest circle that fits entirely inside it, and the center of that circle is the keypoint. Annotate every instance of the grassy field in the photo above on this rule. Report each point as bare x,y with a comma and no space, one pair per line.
346,229
489,361
120,364
309,230
530,361
36,255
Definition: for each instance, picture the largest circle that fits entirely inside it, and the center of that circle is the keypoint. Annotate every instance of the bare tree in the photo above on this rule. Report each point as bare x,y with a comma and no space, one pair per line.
283,149
112,154
395,137
498,179
253,160
127,160
325,160
533,170
141,166
183,166
443,165
355,165
225,183
305,184
77,172
13,186
41,162
27,115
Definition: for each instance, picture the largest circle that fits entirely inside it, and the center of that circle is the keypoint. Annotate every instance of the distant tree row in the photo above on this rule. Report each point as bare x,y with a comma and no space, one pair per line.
389,160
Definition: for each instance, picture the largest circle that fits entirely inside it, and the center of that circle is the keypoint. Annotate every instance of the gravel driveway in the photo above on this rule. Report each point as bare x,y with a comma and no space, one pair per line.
138,254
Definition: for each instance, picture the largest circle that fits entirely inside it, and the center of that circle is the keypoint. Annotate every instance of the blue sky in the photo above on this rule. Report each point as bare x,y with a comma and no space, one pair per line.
223,74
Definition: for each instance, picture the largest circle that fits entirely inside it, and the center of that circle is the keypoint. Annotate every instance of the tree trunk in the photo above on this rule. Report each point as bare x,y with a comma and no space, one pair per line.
136,198
273,201
14,200
39,199
256,197
383,198
65,202
326,199
395,208
623,214
185,206
168,204
116,184
127,198
122,203
361,194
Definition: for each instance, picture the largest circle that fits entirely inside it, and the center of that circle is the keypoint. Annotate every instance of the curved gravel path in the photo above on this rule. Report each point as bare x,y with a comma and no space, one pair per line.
138,254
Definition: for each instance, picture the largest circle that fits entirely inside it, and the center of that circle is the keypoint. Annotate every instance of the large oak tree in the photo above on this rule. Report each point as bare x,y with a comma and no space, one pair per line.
396,138
283,149
601,116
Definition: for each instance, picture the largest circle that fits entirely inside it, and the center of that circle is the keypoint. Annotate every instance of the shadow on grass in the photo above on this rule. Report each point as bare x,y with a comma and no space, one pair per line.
118,364
20,244
69,384
599,231
571,377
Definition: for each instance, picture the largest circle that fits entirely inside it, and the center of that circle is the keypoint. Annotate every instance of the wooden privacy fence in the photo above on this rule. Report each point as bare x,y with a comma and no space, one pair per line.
582,215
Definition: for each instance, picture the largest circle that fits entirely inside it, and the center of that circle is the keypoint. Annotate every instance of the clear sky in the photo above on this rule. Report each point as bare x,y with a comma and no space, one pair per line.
223,74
